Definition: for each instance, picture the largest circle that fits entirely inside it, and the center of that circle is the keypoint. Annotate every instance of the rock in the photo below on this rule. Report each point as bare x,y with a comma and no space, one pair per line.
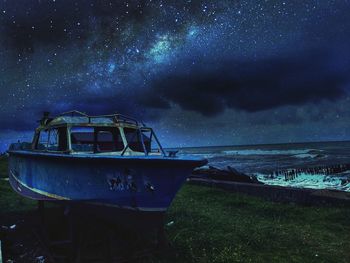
231,174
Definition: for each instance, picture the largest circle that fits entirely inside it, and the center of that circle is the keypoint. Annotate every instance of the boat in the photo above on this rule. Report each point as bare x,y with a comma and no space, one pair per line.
107,161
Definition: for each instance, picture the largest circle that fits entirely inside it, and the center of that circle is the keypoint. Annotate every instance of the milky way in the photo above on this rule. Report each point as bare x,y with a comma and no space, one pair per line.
200,72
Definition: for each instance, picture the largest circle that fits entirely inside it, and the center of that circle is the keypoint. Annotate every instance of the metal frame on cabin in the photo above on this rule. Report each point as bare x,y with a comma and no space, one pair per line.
117,119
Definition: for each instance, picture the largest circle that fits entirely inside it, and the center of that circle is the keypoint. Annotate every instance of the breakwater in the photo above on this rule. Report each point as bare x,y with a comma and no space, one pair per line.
291,174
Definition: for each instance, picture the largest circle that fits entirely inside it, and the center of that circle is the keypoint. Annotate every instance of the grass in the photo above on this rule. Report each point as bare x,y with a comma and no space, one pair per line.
211,225
3,166
12,202
9,200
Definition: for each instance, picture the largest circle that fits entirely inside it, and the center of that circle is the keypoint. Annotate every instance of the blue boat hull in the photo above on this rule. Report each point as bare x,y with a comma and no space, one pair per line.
137,183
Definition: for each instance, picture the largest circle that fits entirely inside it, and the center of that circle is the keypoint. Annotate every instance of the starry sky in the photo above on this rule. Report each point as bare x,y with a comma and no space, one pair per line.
200,72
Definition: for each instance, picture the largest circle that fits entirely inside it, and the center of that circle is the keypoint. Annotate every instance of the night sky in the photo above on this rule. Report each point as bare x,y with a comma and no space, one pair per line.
199,72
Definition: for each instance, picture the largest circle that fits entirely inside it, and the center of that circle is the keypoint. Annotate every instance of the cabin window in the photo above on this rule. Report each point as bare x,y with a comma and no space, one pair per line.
134,139
53,139
43,140
96,139
108,140
82,139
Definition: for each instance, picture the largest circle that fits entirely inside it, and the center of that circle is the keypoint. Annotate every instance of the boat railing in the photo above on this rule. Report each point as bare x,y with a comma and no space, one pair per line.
117,118
120,118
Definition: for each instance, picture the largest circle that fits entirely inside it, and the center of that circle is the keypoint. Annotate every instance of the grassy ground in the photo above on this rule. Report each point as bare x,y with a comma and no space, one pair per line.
12,202
215,226
3,166
211,225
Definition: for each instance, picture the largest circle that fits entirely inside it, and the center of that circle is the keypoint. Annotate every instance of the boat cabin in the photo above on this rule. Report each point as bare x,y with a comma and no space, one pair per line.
77,133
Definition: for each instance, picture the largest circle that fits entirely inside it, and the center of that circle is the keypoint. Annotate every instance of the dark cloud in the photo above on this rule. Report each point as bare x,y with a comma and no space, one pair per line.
251,85
154,102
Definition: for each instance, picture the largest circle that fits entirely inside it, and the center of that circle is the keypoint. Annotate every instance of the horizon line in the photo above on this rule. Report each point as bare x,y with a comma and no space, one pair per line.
258,144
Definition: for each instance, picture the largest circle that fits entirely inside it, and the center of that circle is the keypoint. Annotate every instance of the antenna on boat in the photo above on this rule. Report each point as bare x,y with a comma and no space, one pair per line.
45,118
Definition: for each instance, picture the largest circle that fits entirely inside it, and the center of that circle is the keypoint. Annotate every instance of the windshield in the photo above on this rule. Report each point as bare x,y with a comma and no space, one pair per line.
135,137
96,139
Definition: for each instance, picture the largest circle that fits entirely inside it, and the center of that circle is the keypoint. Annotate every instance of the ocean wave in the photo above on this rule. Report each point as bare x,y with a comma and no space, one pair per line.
307,155
298,153
204,155
304,180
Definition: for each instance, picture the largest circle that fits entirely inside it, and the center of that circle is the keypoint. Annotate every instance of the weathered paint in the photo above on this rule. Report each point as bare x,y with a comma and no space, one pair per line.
147,183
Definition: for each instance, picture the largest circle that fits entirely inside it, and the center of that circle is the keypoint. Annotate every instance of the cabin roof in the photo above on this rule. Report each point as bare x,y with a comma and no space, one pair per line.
79,118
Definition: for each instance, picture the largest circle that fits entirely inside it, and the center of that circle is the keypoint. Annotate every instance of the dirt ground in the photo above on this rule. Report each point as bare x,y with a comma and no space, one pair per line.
58,235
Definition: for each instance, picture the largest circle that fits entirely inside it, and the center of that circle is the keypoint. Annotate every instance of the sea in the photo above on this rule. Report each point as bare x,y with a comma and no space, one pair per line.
317,165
